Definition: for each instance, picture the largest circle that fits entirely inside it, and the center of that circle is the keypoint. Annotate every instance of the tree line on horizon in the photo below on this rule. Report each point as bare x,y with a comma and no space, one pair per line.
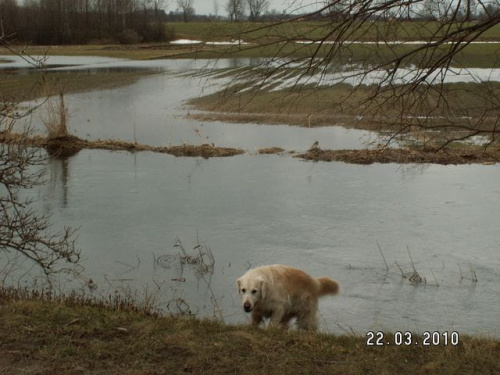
83,21
48,22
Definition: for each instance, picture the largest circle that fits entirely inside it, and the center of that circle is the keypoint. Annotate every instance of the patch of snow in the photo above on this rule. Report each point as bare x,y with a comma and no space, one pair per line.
189,42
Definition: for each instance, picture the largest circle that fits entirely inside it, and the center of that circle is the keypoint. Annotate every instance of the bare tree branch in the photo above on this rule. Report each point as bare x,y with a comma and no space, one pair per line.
22,229
404,87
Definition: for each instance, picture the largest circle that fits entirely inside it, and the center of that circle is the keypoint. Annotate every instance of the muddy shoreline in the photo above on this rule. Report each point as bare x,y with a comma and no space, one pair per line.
406,156
71,145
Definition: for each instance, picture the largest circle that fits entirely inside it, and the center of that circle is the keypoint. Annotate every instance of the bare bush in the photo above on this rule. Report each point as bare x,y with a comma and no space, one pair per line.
55,116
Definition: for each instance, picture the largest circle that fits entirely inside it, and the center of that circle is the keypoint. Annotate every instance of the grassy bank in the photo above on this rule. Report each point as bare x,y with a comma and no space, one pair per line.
17,88
68,336
366,106
146,51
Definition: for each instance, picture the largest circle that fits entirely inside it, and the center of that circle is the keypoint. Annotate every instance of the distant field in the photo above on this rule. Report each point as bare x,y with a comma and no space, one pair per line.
370,31
267,40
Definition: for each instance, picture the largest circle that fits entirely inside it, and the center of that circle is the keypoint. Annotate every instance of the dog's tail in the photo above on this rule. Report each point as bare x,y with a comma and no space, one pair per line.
327,286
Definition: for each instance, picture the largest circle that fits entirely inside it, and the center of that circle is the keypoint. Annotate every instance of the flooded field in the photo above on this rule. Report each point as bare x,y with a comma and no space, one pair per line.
330,219
152,111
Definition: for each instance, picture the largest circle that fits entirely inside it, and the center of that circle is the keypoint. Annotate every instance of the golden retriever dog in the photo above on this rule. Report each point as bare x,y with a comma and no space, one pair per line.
282,293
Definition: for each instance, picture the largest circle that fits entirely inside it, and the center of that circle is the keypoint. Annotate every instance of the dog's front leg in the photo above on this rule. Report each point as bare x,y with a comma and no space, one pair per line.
277,317
256,318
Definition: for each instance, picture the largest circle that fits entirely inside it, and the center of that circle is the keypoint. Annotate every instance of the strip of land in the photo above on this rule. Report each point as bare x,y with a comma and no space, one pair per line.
405,156
70,145
65,146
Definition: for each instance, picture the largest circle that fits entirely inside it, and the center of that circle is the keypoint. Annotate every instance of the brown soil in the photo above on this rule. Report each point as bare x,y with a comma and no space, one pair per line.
403,156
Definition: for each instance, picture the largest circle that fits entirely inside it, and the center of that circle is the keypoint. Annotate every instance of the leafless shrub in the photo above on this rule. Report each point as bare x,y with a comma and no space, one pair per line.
54,114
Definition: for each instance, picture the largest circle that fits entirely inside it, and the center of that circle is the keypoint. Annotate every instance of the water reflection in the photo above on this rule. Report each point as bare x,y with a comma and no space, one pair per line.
58,181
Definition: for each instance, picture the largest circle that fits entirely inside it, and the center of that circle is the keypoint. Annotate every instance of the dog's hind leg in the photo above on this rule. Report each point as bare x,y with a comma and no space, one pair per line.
285,320
308,320
308,323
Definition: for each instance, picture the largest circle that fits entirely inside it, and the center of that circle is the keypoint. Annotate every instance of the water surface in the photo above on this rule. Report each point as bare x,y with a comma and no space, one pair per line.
325,218
153,110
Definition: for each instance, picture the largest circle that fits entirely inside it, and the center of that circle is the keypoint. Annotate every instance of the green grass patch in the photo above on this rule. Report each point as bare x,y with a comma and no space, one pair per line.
367,31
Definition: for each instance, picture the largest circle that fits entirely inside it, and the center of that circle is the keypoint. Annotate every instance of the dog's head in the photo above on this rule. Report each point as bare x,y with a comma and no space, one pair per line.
251,289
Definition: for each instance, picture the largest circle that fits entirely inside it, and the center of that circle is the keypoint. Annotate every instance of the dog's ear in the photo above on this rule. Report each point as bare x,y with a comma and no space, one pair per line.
238,284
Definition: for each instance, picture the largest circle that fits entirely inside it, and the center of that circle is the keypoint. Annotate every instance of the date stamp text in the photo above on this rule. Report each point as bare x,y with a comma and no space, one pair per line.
408,338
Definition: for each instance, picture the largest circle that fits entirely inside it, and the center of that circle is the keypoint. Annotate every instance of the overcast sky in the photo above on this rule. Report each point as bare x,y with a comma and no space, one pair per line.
207,6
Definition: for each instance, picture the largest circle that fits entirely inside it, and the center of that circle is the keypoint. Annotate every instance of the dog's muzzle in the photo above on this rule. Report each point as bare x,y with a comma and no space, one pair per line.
247,306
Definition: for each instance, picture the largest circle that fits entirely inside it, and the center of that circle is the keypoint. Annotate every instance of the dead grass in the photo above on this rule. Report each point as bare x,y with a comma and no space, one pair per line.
205,150
61,337
55,116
